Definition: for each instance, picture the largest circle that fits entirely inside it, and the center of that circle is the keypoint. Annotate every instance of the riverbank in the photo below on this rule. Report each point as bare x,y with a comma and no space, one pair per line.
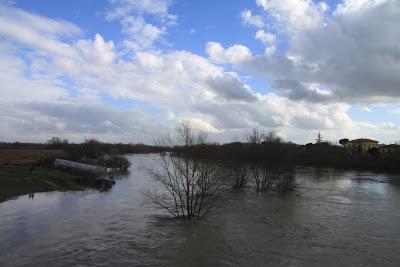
17,180
30,169
290,154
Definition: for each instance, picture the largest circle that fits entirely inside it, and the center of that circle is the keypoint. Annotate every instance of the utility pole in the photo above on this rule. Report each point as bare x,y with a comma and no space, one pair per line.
319,138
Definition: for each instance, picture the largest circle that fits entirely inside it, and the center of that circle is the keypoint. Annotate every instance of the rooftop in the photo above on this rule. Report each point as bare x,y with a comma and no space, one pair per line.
363,140
391,146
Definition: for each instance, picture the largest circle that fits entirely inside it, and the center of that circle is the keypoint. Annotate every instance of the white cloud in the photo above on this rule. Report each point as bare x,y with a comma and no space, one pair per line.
308,91
140,34
250,19
39,24
396,111
126,7
354,56
230,87
200,124
132,15
323,6
38,121
270,50
15,85
233,54
149,61
37,31
294,14
98,51
266,37
349,7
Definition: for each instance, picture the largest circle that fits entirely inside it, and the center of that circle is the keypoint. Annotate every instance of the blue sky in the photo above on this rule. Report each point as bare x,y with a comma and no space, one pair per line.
221,23
295,67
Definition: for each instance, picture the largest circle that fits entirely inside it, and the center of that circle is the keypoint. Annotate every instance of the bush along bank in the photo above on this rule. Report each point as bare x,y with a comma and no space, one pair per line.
51,175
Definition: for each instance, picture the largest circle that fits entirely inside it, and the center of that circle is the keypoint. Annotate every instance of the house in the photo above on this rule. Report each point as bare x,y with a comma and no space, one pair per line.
389,148
361,145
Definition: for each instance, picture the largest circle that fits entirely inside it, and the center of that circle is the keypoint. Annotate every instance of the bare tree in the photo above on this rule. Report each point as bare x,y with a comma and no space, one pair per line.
272,178
285,183
192,186
271,137
238,175
91,148
255,136
264,178
57,142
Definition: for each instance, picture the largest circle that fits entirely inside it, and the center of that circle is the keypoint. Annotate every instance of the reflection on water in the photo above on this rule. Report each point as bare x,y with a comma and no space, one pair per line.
334,218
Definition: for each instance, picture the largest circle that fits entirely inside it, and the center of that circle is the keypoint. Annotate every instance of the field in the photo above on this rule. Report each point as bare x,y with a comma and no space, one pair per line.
27,155
16,180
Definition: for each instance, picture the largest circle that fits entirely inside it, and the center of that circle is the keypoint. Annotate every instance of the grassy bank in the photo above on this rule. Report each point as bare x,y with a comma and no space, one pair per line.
16,180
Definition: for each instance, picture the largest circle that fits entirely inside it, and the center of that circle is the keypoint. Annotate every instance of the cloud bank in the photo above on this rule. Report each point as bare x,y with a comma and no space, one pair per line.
55,80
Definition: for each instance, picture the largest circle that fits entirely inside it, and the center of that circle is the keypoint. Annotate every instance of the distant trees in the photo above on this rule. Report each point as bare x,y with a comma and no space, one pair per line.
91,148
343,141
319,138
238,174
263,178
114,163
192,185
57,142
256,136
271,137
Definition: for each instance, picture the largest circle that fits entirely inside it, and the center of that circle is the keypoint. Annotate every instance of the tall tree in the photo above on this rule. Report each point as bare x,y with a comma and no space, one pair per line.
192,185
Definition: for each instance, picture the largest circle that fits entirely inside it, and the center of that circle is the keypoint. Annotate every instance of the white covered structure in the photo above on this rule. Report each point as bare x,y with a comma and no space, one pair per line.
78,166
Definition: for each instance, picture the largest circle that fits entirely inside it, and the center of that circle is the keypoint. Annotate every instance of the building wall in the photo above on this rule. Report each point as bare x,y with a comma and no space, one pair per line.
361,146
389,149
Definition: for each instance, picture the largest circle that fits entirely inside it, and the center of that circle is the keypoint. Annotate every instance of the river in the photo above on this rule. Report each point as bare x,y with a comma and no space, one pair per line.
334,218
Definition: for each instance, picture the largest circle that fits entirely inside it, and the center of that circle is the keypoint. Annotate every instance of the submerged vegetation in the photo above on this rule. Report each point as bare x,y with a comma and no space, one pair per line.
195,169
193,183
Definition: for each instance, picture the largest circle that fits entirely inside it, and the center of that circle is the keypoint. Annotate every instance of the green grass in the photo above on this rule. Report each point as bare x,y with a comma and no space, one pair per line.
16,180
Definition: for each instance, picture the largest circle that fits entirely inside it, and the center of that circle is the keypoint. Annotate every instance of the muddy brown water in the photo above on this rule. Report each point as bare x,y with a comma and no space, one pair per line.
334,218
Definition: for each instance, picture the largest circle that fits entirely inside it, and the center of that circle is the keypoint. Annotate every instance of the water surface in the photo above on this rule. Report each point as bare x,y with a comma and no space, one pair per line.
335,218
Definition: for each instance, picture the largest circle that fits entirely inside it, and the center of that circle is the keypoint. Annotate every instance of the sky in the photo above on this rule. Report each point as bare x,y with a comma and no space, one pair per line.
129,71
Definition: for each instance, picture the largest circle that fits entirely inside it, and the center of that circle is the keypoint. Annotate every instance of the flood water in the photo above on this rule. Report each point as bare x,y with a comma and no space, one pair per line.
334,218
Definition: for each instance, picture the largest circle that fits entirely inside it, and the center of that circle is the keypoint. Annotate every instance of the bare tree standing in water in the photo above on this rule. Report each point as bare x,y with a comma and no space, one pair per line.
192,185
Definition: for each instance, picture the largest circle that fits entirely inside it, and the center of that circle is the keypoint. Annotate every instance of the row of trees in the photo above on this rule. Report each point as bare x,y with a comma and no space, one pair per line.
255,136
193,184
93,148
290,154
264,178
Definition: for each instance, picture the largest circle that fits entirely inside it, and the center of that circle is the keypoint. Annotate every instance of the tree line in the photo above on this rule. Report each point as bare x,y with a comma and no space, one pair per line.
272,150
